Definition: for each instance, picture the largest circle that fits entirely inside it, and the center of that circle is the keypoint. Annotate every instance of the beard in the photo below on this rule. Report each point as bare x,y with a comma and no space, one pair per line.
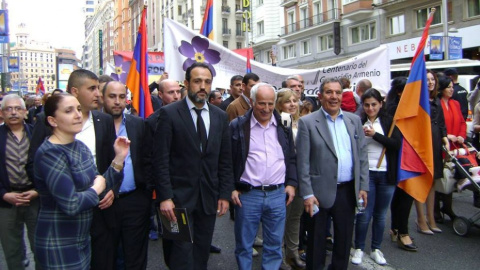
195,98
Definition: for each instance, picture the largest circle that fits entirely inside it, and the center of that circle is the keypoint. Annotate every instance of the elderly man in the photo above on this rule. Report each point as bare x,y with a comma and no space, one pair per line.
18,198
262,179
332,168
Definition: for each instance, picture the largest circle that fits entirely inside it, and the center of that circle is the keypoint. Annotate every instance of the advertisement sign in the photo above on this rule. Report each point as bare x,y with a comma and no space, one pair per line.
64,71
436,48
13,64
455,48
3,26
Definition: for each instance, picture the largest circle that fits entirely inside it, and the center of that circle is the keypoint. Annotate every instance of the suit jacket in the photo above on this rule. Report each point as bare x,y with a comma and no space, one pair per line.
181,171
104,139
317,159
4,181
237,108
226,102
150,141
136,134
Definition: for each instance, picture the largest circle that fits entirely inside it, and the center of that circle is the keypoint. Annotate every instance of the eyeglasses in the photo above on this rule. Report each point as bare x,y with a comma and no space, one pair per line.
11,109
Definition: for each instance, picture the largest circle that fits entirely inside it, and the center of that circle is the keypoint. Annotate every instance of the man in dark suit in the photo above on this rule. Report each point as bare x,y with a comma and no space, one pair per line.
36,109
132,205
332,168
83,84
236,90
193,167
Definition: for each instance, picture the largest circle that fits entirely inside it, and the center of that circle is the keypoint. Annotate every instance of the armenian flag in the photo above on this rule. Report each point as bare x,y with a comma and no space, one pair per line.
40,89
207,24
415,170
137,79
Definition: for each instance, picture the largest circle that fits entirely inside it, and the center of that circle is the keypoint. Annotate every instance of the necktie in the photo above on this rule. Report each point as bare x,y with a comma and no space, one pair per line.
201,130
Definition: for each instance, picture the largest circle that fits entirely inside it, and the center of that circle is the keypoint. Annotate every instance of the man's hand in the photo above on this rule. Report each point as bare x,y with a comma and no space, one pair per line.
16,199
290,193
363,194
29,195
107,201
308,203
222,207
166,208
236,198
164,76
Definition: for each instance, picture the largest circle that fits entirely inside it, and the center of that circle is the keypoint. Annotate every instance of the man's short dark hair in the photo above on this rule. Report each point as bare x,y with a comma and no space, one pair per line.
104,78
250,76
329,80
212,95
77,76
188,73
236,78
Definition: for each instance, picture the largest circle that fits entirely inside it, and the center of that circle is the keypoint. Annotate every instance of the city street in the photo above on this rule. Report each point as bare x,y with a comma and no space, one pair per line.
440,251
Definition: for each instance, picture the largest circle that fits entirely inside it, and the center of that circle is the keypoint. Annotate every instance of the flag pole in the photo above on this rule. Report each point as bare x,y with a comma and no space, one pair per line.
382,155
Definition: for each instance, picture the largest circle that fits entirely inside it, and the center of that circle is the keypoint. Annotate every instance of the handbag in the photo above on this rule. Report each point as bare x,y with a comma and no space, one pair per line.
446,184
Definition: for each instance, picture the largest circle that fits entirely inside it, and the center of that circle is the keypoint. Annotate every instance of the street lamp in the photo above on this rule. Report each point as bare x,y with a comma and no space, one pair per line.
244,14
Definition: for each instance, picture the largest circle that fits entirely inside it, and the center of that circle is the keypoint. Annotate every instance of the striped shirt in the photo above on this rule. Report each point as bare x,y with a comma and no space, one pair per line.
16,154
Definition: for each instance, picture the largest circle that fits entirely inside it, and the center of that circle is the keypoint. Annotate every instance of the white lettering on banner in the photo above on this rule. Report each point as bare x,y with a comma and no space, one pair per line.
183,47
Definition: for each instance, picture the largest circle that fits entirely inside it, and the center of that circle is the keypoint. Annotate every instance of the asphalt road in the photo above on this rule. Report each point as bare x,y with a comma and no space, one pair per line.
441,251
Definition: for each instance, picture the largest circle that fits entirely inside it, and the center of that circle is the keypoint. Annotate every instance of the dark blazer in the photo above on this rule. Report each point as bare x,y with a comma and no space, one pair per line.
104,139
4,181
240,129
149,141
392,145
226,102
136,134
181,171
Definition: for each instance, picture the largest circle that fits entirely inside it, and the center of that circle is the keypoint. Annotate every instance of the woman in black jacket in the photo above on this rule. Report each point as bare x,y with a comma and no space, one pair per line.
382,172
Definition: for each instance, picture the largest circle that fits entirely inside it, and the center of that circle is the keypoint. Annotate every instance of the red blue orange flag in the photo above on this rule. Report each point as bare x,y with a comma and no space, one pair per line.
249,66
137,79
415,170
40,89
207,24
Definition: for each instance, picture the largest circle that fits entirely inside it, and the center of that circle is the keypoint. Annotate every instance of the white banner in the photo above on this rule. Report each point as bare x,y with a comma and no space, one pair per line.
183,47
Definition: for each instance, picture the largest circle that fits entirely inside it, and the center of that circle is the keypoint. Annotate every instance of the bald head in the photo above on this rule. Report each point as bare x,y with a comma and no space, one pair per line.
362,86
169,91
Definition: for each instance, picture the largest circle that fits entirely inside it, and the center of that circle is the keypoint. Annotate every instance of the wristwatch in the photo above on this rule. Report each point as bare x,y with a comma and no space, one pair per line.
117,166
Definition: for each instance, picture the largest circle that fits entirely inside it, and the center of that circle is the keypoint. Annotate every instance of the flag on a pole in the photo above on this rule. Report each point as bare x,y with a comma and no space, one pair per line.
415,170
40,89
249,66
137,79
207,24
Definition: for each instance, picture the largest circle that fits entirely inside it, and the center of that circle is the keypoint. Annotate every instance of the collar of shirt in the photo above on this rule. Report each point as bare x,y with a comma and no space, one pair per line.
122,130
205,114
253,122
329,117
191,106
247,100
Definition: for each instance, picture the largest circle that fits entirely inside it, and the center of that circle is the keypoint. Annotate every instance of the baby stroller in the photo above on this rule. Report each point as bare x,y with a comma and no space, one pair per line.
467,170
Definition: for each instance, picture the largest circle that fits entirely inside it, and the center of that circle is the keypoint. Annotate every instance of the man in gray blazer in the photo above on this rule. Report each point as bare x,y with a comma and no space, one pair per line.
332,170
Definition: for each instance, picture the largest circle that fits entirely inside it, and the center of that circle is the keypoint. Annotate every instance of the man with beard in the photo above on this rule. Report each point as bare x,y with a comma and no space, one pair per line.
132,205
193,134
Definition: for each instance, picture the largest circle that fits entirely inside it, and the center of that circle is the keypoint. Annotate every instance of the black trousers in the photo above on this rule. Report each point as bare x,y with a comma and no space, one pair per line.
180,255
102,239
400,210
132,215
343,216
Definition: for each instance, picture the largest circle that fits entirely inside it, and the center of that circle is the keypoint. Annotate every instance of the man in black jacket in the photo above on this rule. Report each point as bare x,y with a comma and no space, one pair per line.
264,170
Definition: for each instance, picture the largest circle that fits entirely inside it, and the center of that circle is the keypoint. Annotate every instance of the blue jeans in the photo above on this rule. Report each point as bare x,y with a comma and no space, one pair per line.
269,208
379,198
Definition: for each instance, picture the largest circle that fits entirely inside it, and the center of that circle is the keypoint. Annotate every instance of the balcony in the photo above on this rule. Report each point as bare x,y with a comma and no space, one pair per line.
316,20
239,34
225,10
288,3
226,32
357,10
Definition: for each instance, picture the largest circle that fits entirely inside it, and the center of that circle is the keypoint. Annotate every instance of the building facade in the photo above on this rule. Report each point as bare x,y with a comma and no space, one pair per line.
309,39
36,60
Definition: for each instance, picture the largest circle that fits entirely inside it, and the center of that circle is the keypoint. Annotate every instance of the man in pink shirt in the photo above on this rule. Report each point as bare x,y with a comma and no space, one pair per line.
265,178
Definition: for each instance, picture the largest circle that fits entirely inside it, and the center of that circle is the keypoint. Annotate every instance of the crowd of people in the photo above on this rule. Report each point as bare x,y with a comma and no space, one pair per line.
84,177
